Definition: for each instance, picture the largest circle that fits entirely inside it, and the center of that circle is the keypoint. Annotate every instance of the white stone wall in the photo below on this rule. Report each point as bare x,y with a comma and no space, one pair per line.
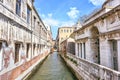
118,44
15,29
108,25
105,53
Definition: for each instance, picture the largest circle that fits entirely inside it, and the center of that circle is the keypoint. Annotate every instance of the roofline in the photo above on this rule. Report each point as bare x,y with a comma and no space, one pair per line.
39,16
86,25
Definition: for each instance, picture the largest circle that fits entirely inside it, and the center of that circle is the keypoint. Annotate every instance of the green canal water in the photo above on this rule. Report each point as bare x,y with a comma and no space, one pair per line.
53,68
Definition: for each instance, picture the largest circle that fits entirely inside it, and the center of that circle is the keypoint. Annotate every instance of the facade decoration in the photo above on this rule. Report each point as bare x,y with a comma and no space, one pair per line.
23,38
97,44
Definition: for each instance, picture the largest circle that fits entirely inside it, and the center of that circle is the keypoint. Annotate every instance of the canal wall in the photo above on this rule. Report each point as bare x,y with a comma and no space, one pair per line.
21,71
31,66
72,67
34,70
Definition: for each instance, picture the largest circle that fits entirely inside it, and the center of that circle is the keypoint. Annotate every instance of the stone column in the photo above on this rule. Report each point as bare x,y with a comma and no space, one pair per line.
118,48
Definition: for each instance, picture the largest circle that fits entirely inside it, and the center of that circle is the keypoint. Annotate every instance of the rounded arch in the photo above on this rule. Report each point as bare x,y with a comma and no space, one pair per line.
95,44
94,32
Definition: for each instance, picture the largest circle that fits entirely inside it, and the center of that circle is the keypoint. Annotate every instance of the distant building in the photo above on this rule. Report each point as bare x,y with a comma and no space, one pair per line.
63,34
49,37
68,46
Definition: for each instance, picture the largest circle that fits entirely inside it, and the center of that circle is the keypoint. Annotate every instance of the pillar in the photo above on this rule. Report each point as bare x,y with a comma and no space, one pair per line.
118,46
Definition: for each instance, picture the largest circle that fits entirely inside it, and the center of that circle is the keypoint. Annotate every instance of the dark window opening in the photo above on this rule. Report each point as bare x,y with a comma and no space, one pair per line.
28,14
18,7
17,48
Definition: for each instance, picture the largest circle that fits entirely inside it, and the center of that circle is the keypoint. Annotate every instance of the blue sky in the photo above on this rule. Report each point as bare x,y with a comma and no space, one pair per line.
59,13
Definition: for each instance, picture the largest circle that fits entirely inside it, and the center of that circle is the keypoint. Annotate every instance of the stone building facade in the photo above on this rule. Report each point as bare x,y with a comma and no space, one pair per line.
63,34
98,39
23,38
97,44
68,46
49,37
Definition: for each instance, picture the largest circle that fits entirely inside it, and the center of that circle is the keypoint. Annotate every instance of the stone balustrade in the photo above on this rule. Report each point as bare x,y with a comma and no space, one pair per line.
93,71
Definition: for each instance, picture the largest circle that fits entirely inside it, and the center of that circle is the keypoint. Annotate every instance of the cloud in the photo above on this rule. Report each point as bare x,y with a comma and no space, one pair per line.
42,15
67,23
55,22
73,13
51,21
97,2
50,15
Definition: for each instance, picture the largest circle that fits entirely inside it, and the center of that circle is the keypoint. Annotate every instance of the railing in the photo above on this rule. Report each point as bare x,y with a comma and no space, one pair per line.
95,71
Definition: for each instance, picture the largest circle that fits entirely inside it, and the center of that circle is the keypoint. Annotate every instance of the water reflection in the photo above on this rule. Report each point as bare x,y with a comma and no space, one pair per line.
53,69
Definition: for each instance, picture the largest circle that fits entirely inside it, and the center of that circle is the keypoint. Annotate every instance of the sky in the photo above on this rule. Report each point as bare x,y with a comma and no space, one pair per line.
61,13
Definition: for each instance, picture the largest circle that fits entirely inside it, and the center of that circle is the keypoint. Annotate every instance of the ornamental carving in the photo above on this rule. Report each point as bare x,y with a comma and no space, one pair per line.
118,14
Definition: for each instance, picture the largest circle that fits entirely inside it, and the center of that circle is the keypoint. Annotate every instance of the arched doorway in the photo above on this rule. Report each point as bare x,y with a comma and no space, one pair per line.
95,44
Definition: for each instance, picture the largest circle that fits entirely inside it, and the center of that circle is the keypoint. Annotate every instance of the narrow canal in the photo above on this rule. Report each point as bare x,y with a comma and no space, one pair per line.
53,68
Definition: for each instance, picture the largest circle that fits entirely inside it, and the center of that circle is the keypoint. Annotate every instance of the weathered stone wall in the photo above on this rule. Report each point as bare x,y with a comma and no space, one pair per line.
107,25
22,43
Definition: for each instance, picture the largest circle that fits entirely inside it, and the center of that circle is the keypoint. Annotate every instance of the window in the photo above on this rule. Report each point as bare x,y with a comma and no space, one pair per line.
70,30
38,23
61,30
64,30
18,7
115,54
28,14
17,48
84,51
34,49
34,21
27,52
67,31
